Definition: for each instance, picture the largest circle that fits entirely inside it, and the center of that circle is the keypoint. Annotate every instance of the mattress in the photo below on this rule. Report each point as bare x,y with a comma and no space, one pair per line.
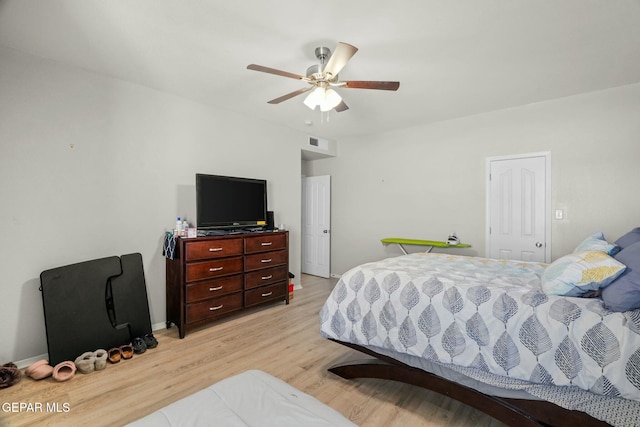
252,398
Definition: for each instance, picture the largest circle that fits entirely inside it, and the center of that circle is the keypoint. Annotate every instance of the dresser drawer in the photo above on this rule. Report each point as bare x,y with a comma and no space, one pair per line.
214,307
214,268
213,288
264,242
212,249
265,277
262,294
265,260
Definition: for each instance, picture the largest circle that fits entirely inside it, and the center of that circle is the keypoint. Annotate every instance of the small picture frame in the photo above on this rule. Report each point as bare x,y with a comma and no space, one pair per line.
192,232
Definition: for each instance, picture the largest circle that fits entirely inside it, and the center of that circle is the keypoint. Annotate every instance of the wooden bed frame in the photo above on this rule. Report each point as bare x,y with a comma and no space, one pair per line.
513,412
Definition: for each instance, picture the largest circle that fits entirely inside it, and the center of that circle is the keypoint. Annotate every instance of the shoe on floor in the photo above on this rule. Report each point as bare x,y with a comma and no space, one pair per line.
101,359
139,345
114,355
39,370
150,341
127,351
64,371
9,375
86,362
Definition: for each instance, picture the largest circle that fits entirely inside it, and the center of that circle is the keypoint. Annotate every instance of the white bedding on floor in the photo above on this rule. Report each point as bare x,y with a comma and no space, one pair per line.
252,398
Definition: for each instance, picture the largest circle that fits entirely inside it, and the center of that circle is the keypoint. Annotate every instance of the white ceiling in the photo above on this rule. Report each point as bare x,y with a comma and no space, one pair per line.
452,58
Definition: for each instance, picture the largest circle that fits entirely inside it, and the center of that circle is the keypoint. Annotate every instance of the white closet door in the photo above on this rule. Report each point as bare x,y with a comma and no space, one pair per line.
518,208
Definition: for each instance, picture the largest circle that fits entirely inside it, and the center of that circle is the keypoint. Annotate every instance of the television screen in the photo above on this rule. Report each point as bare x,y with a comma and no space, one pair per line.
225,201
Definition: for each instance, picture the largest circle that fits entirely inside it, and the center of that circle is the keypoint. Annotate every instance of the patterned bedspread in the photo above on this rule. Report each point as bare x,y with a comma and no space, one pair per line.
488,315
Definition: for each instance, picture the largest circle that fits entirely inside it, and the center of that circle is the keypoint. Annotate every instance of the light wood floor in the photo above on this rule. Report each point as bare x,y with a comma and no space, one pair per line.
281,340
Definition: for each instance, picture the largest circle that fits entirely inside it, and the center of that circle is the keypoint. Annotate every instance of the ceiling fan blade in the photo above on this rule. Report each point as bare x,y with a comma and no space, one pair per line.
264,69
342,107
339,58
290,95
363,84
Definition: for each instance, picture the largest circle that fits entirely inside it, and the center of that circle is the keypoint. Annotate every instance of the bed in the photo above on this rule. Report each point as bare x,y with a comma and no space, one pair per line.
484,332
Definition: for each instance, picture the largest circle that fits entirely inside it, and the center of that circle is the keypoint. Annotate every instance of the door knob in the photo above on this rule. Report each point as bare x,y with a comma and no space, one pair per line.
538,244
325,231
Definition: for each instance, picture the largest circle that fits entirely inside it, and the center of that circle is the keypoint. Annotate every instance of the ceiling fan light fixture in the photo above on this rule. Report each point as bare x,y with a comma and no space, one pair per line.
331,100
315,98
326,99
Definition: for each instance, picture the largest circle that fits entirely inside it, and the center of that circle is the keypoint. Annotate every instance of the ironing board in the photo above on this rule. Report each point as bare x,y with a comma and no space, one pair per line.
428,244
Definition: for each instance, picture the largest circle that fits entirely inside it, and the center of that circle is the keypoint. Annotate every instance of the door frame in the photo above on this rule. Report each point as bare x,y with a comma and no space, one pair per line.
547,198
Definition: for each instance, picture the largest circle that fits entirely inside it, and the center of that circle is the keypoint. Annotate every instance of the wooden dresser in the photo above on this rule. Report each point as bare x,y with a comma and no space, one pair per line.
211,277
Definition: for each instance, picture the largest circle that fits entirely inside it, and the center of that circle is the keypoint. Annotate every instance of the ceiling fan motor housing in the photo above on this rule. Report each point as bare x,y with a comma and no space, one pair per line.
323,53
315,69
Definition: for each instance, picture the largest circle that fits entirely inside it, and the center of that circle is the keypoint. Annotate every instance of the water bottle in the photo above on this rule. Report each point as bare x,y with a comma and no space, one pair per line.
178,230
185,228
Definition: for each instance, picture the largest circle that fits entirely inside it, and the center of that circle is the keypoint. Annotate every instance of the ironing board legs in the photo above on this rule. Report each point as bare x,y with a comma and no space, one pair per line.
404,251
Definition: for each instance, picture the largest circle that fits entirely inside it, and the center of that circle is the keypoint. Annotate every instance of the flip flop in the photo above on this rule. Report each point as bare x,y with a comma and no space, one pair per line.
64,371
39,370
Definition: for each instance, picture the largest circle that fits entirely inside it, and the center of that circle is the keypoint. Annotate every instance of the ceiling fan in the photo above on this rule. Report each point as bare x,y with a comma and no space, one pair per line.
323,77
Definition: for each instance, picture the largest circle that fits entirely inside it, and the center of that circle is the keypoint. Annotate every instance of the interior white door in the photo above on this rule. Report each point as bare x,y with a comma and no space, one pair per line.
518,198
316,226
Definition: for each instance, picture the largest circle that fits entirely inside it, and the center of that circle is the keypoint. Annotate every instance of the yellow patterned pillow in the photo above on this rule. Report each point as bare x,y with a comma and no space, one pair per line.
579,272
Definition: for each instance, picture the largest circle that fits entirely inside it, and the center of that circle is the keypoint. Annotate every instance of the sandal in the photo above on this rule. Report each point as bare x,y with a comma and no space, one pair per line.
39,370
101,359
127,351
114,355
64,371
150,341
86,362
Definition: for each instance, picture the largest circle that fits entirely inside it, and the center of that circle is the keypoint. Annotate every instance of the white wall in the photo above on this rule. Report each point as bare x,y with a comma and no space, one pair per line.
92,167
427,181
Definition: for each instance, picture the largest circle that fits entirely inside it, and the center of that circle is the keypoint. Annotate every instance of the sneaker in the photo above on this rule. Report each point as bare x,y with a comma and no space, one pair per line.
139,345
150,341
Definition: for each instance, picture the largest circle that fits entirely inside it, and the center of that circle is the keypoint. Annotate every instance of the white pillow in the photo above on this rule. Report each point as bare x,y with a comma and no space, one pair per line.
579,272
596,242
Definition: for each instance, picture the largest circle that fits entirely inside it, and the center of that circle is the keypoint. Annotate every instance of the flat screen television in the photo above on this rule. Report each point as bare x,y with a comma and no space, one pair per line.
230,202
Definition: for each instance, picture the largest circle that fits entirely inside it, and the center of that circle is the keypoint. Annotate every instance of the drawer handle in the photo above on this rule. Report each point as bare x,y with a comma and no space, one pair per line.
216,308
266,260
267,294
215,289
267,277
215,269
266,243
215,249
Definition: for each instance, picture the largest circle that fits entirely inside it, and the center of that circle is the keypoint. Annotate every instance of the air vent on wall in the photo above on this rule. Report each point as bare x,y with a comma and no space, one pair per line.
322,144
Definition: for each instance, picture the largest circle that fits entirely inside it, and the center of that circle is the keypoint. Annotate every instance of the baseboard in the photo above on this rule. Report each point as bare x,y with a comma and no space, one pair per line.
158,326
